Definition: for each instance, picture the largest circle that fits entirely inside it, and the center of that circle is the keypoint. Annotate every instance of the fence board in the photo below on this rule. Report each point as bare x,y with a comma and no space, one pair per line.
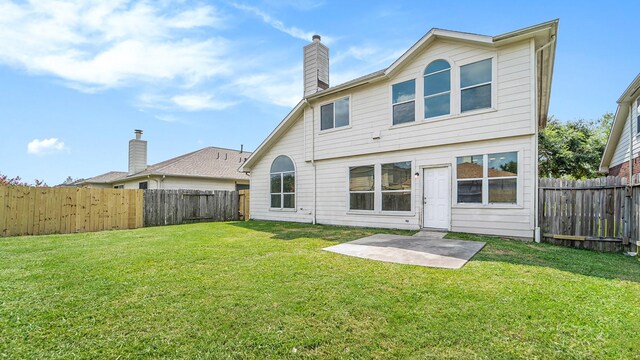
35,211
169,207
596,210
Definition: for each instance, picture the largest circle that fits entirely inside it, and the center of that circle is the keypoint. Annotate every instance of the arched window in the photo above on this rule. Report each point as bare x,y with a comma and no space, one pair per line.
437,89
283,183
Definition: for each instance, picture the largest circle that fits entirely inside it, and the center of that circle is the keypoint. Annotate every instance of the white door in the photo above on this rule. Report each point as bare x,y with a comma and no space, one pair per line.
436,198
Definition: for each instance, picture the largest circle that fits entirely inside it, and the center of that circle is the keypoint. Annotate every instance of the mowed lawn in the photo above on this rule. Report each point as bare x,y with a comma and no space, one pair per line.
266,290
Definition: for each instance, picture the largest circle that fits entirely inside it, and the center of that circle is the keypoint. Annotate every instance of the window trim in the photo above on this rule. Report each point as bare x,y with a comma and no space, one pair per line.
146,185
450,92
295,186
334,128
519,204
494,80
377,188
349,192
415,102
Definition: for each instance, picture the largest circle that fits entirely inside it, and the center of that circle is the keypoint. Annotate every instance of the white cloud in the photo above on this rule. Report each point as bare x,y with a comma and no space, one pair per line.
283,88
45,146
197,102
279,25
96,44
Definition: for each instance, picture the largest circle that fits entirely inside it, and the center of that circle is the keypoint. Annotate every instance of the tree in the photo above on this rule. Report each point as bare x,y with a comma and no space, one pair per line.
17,181
573,149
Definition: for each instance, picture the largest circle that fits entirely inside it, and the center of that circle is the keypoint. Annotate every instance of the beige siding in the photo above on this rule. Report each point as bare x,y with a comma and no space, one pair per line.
290,144
509,126
175,183
622,148
371,107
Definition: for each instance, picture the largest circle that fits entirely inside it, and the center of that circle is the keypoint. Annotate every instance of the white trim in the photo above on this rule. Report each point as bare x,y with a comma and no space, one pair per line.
415,102
423,169
334,128
295,186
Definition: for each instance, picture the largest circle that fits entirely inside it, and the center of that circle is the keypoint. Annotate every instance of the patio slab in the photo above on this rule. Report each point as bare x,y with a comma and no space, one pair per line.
423,249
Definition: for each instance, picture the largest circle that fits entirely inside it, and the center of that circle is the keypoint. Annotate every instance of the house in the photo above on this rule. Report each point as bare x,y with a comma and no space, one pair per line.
622,154
210,168
444,138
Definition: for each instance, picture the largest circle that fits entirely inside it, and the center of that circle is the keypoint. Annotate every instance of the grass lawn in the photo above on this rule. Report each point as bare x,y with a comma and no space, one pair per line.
263,289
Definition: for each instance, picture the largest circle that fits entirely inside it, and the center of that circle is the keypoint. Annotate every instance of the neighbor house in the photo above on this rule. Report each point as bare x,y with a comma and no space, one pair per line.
444,138
210,168
622,154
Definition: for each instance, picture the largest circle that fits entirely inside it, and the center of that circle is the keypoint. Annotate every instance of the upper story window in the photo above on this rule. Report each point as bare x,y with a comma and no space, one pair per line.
475,85
403,98
283,183
335,114
437,89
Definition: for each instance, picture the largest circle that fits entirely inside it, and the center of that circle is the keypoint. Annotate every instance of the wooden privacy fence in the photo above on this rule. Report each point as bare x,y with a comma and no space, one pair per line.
43,210
599,214
169,207
244,198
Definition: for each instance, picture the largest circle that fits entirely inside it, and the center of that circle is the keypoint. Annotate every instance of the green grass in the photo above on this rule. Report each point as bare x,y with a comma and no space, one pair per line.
263,289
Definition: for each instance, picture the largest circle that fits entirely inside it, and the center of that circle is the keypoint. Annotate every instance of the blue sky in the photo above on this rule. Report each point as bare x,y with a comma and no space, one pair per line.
76,78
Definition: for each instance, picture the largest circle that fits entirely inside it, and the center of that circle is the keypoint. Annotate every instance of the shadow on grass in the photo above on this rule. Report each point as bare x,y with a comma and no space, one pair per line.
292,231
583,262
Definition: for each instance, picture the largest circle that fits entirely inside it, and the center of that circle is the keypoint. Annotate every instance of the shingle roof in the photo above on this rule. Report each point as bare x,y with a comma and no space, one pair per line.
105,178
210,162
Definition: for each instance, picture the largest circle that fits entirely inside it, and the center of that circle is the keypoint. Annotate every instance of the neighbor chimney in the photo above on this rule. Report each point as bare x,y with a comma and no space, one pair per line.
137,153
316,67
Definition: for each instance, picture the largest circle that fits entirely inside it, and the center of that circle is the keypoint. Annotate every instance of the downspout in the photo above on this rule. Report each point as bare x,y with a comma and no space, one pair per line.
536,233
313,155
631,212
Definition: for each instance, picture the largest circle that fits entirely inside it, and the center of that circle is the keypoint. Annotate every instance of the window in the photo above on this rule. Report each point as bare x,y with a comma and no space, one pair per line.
497,184
403,100
118,186
143,185
396,186
361,188
283,183
470,173
475,85
503,177
437,89
335,114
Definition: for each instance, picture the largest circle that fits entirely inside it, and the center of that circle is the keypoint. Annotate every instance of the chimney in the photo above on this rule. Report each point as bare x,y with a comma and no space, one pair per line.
137,153
316,67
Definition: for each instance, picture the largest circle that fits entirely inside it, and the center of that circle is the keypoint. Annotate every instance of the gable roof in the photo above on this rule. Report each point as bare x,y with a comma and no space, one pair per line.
544,35
619,120
209,162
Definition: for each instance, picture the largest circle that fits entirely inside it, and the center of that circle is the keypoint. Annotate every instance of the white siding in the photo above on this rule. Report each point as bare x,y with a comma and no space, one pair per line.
621,153
176,183
509,126
371,106
290,144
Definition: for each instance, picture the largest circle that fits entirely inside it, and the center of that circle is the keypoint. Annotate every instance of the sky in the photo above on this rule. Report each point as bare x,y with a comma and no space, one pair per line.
77,77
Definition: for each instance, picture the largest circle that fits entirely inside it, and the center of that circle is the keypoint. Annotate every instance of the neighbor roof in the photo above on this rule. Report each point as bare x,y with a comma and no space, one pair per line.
544,35
209,162
622,112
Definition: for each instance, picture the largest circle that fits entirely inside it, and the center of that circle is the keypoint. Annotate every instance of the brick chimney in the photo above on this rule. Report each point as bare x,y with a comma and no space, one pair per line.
137,153
316,66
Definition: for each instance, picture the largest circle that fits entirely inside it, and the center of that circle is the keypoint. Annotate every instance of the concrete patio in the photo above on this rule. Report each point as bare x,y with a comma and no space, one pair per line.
426,248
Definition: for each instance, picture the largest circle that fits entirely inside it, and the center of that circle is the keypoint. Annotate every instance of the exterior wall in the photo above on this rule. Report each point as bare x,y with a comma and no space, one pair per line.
175,183
629,133
622,169
289,144
371,109
323,158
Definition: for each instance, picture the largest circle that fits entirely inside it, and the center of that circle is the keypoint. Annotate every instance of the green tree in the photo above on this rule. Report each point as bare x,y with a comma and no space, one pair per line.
573,149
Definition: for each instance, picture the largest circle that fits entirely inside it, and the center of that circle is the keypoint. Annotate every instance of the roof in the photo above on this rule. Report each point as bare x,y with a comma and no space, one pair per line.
209,162
544,35
619,120
105,178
